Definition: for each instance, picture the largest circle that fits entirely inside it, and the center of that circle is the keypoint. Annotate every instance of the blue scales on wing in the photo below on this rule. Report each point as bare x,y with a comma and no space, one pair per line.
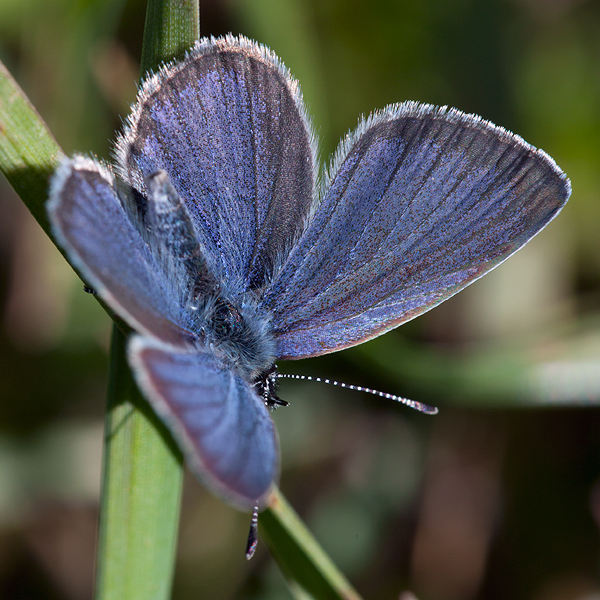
220,422
420,202
229,127
90,223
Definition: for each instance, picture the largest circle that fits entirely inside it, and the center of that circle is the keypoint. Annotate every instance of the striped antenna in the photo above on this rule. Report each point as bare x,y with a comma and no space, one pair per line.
420,406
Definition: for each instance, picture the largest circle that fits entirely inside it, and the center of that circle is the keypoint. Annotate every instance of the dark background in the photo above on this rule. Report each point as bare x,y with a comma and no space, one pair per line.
496,497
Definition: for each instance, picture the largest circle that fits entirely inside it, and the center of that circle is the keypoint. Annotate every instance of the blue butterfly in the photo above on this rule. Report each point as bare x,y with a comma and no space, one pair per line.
217,242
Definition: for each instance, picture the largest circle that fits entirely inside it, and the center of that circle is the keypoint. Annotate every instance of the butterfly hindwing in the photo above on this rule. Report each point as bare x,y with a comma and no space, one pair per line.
218,419
420,203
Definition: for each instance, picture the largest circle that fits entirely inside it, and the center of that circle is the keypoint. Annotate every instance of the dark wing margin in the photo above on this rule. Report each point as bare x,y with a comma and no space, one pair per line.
223,427
229,126
420,202
89,222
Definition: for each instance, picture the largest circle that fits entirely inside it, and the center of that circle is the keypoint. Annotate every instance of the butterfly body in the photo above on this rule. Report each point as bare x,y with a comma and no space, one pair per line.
215,242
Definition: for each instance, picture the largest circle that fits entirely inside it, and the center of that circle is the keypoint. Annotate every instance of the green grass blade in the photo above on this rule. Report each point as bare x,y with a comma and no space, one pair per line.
143,468
141,488
142,471
171,28
306,566
29,154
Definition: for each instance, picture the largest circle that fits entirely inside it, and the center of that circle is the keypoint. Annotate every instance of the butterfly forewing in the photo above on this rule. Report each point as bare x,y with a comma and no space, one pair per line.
228,125
420,203
89,222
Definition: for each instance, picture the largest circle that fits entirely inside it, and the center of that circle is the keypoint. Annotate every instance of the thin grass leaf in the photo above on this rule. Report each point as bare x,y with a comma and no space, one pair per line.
307,568
143,468
141,489
171,28
29,154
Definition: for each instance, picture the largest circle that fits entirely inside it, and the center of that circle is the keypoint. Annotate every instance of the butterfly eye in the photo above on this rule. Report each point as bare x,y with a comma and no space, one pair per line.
226,318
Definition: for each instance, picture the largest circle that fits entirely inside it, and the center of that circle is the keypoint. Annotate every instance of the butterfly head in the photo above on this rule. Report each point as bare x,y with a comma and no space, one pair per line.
266,384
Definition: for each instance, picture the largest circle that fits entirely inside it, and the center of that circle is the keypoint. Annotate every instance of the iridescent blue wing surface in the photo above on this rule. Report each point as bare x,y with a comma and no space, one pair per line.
229,126
90,224
219,421
172,240
420,202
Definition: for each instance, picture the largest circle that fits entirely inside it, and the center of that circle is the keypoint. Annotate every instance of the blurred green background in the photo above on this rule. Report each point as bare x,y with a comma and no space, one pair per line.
496,497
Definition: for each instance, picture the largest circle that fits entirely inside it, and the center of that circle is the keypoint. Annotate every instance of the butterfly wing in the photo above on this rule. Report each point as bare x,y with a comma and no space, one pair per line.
229,126
90,224
219,421
420,203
